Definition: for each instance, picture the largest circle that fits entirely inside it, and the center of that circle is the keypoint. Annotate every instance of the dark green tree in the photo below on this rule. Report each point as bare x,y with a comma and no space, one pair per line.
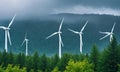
35,62
110,59
29,63
1,58
118,68
78,57
63,61
54,62
5,59
43,63
20,60
94,57
11,58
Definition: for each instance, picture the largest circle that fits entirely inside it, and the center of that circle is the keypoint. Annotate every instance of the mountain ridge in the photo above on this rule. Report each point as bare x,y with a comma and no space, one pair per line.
38,29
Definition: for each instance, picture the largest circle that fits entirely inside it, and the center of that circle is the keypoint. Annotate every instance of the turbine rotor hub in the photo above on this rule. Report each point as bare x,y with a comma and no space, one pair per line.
111,33
7,28
81,33
59,32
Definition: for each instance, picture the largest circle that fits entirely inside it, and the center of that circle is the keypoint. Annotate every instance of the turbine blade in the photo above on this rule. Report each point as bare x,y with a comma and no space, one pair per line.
84,26
11,21
9,38
104,37
52,35
61,24
104,32
23,42
113,27
2,27
61,41
73,31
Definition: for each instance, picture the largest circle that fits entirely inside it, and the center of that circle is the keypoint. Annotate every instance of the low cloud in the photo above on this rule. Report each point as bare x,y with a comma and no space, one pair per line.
89,10
30,8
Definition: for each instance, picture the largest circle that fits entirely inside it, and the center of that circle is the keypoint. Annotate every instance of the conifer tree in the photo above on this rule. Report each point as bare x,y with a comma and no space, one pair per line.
29,63
94,57
43,63
4,59
11,58
20,60
54,61
110,58
0,58
63,61
36,61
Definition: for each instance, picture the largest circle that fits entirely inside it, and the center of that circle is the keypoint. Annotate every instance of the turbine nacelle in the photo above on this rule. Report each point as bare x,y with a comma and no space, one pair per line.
81,33
7,29
59,32
26,39
111,33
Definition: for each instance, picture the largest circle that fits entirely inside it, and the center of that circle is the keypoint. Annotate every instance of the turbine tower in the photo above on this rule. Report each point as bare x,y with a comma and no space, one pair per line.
7,33
80,35
26,41
108,33
60,39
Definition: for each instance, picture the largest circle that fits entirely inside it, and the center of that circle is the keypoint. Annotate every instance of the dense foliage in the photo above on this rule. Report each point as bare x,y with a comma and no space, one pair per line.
107,60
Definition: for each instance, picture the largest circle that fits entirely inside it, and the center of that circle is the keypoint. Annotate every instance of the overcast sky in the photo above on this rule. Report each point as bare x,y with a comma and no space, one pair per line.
41,7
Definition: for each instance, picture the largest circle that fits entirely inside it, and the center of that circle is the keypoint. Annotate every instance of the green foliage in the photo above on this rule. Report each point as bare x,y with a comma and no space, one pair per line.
110,58
119,68
11,58
1,69
43,63
107,60
94,57
5,59
63,62
36,61
55,69
20,60
11,68
29,64
53,62
79,66
0,58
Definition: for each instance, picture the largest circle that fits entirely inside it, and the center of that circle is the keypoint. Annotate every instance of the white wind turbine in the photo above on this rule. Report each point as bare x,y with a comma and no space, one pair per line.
7,34
80,34
26,41
108,33
60,39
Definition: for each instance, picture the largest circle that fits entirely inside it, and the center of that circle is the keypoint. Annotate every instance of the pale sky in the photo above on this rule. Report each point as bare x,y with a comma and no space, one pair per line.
25,8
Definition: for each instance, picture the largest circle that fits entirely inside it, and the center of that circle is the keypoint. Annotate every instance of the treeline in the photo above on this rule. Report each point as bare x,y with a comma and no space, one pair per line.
107,60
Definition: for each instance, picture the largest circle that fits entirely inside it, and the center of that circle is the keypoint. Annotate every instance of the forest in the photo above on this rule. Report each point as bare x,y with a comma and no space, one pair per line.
107,60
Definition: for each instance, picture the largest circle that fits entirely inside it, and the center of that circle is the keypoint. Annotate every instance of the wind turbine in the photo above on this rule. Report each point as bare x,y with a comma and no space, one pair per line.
7,34
60,39
26,41
80,35
108,33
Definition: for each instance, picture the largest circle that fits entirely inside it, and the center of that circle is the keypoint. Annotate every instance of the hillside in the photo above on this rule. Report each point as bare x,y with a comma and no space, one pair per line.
39,28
